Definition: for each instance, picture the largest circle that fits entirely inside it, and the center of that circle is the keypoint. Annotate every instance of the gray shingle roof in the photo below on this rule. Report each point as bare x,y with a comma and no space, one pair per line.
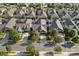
55,24
41,14
31,13
11,23
40,28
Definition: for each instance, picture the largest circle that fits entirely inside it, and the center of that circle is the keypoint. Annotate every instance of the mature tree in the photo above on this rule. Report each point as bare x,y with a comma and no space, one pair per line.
38,6
48,38
61,6
57,39
70,32
49,17
14,35
1,34
53,32
76,39
67,38
51,5
35,36
3,53
31,49
58,49
8,48
1,31
73,33
66,31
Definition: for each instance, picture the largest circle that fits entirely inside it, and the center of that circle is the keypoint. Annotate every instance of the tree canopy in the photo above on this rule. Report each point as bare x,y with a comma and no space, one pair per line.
48,38
35,36
76,39
73,33
31,49
58,49
57,39
8,48
14,35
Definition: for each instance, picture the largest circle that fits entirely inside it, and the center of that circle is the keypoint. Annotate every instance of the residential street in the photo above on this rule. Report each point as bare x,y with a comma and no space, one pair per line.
42,46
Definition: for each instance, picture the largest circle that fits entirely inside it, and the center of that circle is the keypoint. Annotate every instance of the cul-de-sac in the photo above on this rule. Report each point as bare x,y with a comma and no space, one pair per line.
39,29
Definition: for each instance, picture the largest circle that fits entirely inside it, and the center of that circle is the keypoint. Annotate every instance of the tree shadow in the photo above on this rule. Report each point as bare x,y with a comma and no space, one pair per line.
23,54
68,45
26,43
9,43
74,54
50,44
49,54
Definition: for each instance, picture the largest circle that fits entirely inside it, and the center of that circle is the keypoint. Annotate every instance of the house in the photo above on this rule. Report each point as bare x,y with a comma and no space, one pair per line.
5,14
11,12
55,15
4,20
24,26
30,13
11,24
21,27
72,13
1,23
52,12
69,23
55,24
76,17
18,13
40,26
40,14
76,21
21,20
60,12
66,16
2,10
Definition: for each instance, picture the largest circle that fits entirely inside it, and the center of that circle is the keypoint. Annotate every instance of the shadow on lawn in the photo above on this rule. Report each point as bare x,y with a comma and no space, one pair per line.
74,54
9,43
49,54
68,45
49,44
23,54
26,43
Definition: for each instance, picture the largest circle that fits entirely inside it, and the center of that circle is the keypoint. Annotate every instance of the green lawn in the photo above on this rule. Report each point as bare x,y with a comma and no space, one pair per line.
1,36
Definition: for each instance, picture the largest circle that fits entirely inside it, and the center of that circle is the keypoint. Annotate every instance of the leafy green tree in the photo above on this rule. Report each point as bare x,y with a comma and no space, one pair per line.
51,5
49,17
57,39
35,36
36,53
67,38
53,32
31,49
8,48
58,49
38,6
76,39
48,38
1,34
61,6
14,35
66,31
3,53
73,33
